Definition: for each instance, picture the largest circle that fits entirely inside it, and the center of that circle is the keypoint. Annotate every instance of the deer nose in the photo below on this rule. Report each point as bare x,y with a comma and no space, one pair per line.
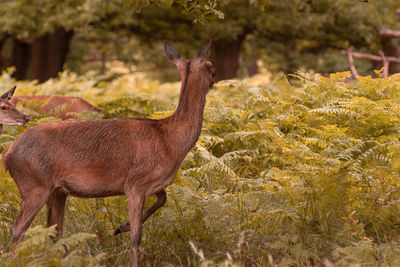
26,118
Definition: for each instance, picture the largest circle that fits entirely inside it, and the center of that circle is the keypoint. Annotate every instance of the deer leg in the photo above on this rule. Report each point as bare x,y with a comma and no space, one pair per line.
161,199
135,208
55,210
29,208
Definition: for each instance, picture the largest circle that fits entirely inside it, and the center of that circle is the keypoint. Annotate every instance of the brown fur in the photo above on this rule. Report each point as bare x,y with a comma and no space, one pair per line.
99,158
63,107
9,115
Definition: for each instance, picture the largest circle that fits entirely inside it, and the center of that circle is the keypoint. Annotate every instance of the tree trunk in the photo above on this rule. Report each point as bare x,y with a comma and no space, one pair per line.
225,56
40,58
49,53
4,60
39,49
390,50
393,51
20,58
252,68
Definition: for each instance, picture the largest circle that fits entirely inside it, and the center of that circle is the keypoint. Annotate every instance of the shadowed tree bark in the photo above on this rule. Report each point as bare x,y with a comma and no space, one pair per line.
49,53
252,68
390,49
4,61
40,58
226,55
20,58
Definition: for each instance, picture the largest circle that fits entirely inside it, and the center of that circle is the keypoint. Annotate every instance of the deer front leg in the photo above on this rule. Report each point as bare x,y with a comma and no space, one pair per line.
161,199
31,204
135,207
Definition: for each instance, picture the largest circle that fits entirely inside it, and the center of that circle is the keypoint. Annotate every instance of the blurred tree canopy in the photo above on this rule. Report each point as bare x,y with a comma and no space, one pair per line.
286,33
39,36
35,35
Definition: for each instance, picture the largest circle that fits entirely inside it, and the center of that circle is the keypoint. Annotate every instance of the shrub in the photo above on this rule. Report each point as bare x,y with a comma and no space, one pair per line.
293,173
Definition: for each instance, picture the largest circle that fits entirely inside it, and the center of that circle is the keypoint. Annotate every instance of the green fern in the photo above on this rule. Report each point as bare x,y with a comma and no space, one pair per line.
303,171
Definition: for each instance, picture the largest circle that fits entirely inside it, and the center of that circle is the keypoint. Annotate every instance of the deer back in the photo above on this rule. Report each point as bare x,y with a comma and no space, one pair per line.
63,107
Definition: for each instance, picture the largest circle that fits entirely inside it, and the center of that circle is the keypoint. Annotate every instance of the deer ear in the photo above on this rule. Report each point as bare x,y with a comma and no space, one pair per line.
206,50
171,52
9,94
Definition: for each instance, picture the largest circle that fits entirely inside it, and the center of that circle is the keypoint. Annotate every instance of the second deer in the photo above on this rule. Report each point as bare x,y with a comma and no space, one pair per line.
9,115
63,107
137,157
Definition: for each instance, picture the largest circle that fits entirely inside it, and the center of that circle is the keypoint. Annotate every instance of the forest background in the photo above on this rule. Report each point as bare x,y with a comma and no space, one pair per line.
295,166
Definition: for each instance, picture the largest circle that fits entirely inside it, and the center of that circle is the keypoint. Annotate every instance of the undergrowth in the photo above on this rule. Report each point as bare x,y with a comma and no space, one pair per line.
297,173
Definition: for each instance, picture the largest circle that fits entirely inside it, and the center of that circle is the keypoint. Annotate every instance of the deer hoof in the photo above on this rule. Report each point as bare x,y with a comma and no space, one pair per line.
124,227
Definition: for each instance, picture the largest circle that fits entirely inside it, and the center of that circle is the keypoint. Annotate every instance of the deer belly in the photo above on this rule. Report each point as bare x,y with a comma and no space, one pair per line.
89,186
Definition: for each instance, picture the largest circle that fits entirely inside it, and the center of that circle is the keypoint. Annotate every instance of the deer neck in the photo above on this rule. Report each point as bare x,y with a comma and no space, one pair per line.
187,120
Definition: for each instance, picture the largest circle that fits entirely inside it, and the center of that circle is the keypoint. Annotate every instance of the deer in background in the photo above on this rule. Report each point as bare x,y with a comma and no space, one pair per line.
137,157
63,107
9,115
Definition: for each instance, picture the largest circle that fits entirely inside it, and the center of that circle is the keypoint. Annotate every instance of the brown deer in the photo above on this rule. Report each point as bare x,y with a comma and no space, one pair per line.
63,107
9,115
137,157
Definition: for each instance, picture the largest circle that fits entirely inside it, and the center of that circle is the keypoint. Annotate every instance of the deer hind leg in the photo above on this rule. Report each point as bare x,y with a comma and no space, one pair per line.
161,199
135,207
31,204
55,210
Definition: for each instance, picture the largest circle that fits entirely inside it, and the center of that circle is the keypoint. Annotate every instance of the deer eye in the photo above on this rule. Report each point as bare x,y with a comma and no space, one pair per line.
3,107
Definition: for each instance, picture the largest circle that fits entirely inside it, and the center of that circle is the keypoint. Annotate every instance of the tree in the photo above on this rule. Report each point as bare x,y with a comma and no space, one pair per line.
36,35
286,32
289,28
155,23
390,14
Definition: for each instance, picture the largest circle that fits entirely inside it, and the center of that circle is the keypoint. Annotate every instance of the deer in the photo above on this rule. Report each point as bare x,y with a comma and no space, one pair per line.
9,115
136,157
54,105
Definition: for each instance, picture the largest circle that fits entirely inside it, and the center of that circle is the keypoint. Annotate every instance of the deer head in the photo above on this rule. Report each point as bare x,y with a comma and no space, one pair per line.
9,115
199,65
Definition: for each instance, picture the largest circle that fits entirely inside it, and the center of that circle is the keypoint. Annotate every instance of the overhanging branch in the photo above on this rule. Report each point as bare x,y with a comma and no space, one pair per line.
351,63
385,64
370,56
389,34
381,58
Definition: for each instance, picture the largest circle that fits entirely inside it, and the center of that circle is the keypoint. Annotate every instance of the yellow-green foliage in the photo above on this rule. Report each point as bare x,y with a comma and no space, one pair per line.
38,249
293,173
